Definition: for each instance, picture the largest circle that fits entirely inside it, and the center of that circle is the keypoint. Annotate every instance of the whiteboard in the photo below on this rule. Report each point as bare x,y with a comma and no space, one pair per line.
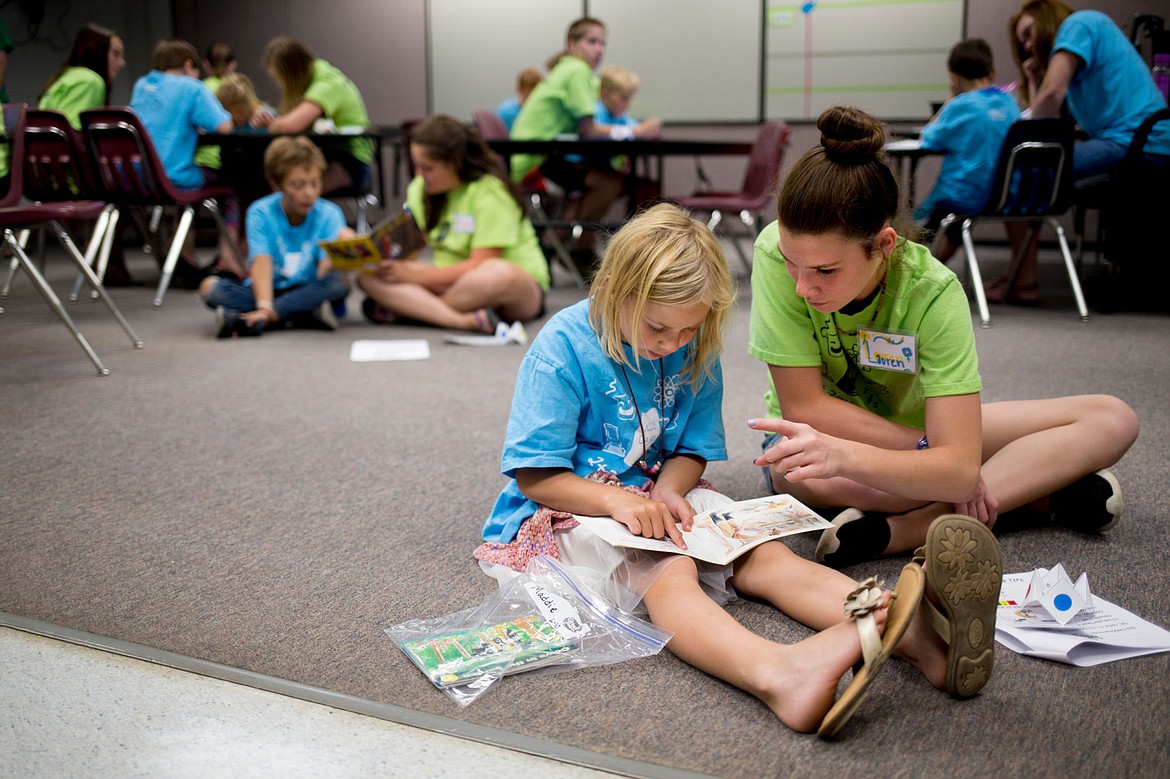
708,61
887,56
475,48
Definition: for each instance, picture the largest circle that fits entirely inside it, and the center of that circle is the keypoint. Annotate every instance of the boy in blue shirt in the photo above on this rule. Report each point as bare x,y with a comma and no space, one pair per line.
969,129
175,106
291,278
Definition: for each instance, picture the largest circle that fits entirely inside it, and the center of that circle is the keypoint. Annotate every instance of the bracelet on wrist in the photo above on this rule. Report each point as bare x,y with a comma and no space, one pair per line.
923,443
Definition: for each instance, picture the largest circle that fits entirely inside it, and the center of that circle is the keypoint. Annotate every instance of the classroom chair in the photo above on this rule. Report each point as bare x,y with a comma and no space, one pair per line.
759,185
16,215
56,169
129,174
1032,184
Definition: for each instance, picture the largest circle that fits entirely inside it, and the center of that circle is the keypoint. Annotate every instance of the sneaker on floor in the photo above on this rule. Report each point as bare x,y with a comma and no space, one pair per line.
229,324
376,313
1091,504
314,320
855,537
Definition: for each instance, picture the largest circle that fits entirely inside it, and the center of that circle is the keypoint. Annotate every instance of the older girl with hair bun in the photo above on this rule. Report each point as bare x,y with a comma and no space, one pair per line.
874,406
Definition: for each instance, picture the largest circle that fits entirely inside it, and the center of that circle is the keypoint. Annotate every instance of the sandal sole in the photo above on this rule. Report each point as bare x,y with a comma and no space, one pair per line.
964,570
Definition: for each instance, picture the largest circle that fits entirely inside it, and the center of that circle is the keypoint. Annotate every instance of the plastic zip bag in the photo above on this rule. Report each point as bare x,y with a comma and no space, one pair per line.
542,620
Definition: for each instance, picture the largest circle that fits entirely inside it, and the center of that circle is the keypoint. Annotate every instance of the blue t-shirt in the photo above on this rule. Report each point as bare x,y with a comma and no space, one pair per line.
293,248
602,116
1113,90
970,130
174,108
572,409
508,111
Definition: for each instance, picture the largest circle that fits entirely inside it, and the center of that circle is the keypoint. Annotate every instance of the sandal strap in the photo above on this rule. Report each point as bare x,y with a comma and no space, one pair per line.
859,607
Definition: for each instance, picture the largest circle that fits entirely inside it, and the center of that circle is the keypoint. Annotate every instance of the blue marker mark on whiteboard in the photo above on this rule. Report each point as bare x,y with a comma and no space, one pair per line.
808,7
1062,602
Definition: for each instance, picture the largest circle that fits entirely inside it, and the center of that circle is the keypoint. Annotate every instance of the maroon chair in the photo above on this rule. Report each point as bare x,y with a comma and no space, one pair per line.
130,174
16,215
56,169
759,185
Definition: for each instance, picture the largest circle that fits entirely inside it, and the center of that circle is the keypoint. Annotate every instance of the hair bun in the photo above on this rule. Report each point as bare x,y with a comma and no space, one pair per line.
850,135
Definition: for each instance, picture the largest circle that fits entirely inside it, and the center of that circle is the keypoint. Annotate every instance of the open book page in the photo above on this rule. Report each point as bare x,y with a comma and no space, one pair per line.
352,254
508,647
722,535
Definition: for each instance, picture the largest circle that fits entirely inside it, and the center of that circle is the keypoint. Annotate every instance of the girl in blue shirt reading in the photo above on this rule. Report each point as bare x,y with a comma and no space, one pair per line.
617,411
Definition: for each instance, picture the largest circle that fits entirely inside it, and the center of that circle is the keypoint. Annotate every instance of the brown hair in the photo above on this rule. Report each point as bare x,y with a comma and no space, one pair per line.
577,30
1047,16
843,185
91,49
971,59
219,59
527,79
172,54
288,152
449,141
290,64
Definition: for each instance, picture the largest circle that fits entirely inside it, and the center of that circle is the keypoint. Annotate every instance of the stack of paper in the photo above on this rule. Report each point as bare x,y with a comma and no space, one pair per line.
1032,619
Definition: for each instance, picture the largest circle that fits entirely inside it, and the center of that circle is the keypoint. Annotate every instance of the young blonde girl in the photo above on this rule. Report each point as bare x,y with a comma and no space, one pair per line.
617,411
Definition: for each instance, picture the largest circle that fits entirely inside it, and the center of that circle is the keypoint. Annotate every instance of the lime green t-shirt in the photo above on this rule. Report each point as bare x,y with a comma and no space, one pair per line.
923,298
208,156
479,215
340,101
76,90
568,95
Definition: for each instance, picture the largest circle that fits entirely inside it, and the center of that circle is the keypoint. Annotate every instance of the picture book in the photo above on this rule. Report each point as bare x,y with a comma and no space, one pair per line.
722,535
461,657
393,237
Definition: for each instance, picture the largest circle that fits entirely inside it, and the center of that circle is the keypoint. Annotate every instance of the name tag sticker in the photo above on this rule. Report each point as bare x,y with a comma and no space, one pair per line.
887,351
463,223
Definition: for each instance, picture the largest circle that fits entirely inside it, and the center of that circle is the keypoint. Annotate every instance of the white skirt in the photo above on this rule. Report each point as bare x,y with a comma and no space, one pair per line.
622,576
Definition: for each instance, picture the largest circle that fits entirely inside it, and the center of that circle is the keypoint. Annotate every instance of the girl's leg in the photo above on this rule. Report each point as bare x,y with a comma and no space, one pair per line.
1031,449
804,590
499,285
798,682
413,301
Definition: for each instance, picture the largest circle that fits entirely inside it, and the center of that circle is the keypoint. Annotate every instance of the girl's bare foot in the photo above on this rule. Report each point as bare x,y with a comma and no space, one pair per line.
925,649
803,684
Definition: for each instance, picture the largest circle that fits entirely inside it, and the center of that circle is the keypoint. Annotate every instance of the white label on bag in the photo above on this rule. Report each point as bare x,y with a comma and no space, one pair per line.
557,610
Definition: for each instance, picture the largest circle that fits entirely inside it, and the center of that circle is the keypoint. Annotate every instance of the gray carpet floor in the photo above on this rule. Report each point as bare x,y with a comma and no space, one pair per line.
269,505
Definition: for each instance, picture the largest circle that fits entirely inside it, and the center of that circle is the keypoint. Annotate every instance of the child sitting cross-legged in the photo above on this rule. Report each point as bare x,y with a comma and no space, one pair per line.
291,281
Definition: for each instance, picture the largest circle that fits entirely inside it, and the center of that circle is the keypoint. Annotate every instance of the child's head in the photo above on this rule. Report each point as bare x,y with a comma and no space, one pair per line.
98,49
220,60
175,54
663,282
286,153
290,64
237,95
970,63
526,81
840,203
586,39
618,86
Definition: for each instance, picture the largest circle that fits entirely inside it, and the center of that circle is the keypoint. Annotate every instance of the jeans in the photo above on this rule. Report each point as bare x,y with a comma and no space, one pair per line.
237,296
1096,156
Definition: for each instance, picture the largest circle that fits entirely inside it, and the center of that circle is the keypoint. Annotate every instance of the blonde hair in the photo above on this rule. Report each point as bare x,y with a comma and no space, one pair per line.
662,256
288,152
236,91
615,78
290,64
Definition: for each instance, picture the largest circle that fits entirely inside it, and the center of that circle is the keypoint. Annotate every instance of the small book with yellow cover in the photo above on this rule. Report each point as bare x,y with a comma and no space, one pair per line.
393,237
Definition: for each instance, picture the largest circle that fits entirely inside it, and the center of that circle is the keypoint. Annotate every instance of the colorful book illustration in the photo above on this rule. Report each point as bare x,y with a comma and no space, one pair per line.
393,237
509,647
724,534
